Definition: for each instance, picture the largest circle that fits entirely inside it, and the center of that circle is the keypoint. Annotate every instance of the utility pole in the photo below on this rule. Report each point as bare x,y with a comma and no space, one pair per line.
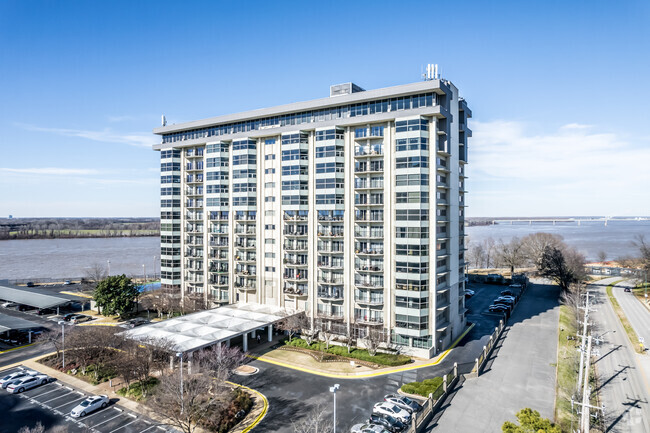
585,323
584,423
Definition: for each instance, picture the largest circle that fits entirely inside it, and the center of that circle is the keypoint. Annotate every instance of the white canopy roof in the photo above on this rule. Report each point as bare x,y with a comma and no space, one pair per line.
206,328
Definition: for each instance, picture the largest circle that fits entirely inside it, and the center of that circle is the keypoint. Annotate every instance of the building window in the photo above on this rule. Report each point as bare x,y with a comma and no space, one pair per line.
269,241
269,255
269,198
268,157
269,227
269,213
269,268
269,185
269,171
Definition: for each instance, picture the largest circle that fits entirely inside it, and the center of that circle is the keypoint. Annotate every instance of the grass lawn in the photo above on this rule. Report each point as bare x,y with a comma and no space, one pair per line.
631,334
426,387
134,392
568,361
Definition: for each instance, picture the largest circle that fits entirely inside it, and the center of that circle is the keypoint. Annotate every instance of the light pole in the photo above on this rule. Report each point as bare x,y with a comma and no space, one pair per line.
144,275
62,323
109,267
180,356
333,390
154,268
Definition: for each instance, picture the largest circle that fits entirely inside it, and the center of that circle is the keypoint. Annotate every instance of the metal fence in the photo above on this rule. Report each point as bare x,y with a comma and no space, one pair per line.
432,404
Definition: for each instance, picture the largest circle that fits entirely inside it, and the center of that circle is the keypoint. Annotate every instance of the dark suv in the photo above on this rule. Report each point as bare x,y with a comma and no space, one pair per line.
387,421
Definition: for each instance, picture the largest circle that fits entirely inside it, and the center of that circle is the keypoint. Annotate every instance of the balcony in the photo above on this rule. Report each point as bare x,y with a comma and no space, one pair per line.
295,264
330,250
368,285
328,219
365,152
219,270
330,281
295,234
219,283
329,316
296,247
245,274
241,232
331,234
370,321
369,169
330,297
369,269
295,293
245,287
369,219
370,301
247,246
295,218
329,266
369,252
194,180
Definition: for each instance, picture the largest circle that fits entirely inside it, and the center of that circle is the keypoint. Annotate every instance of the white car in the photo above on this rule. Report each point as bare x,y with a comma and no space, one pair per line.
392,410
368,428
403,402
90,404
8,305
28,382
6,380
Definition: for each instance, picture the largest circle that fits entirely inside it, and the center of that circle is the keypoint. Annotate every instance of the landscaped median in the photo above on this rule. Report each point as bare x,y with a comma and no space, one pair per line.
322,353
567,368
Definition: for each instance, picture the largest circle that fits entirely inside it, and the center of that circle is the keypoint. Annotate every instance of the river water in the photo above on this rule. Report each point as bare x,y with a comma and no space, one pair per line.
72,258
590,237
69,258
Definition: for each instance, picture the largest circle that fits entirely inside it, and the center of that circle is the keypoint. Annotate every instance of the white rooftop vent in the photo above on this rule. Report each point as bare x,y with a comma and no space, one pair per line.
344,89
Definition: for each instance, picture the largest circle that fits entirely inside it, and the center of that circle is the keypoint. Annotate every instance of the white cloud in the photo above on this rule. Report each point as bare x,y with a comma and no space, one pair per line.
52,171
105,136
572,170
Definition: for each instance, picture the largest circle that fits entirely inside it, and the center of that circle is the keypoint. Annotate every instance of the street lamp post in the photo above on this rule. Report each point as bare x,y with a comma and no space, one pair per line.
180,356
333,390
109,267
62,323
154,268
144,275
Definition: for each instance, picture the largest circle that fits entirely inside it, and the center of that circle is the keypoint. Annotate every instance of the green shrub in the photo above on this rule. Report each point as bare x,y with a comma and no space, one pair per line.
424,388
387,359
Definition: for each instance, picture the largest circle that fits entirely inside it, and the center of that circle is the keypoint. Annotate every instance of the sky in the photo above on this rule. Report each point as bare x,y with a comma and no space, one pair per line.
558,90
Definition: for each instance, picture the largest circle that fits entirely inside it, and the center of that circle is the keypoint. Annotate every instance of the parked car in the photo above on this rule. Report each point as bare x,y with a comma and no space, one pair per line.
505,300
27,382
508,292
30,284
80,318
67,282
42,311
499,308
368,428
23,307
516,286
469,293
403,402
389,422
627,289
89,405
138,321
392,410
6,380
69,316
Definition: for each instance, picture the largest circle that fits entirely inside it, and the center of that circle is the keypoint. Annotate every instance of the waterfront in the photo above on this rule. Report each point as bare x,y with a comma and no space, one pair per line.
589,237
66,258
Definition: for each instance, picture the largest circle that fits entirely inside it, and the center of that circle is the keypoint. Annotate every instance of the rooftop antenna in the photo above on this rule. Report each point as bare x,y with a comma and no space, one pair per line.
164,120
432,72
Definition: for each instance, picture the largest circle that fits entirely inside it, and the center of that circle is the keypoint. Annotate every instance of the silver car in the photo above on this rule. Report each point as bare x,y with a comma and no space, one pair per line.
368,428
90,404
27,382
392,410
404,402
6,380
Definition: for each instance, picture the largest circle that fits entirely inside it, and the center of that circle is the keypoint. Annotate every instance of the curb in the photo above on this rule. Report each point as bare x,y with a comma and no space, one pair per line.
436,361
17,348
259,417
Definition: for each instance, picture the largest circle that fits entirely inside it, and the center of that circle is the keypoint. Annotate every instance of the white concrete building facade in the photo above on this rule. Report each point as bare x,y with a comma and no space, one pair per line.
349,207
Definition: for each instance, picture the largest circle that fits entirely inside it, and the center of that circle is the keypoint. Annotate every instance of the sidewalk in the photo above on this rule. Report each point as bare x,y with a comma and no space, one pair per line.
341,370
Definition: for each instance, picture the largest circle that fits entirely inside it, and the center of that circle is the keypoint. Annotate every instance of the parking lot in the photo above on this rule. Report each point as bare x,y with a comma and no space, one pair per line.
51,405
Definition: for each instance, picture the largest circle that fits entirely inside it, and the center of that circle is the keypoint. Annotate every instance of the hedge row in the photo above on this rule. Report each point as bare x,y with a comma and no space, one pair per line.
424,388
387,359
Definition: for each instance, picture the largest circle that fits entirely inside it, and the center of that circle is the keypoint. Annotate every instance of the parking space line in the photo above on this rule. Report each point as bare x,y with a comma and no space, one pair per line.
110,419
52,399
55,389
101,411
149,428
65,404
135,418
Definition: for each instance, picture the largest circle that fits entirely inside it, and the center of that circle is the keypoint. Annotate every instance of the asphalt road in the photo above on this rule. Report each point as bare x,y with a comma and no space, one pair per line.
519,374
294,395
623,387
637,314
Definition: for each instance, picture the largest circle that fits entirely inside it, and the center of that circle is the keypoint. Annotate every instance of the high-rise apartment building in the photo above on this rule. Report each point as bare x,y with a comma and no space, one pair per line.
349,207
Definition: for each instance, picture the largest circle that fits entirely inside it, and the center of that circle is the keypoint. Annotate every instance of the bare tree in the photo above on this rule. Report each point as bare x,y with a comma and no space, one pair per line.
535,244
219,362
602,256
53,336
316,421
372,340
38,428
94,274
476,255
488,247
326,332
511,254
644,249
294,323
565,267
187,410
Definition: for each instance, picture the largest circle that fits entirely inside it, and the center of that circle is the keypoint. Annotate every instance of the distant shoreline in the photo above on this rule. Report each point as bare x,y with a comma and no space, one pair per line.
77,228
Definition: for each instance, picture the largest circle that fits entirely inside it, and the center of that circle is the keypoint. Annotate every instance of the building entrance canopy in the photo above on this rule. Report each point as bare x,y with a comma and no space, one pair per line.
207,328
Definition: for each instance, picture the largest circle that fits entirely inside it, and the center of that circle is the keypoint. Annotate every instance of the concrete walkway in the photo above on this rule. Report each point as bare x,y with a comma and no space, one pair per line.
520,374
